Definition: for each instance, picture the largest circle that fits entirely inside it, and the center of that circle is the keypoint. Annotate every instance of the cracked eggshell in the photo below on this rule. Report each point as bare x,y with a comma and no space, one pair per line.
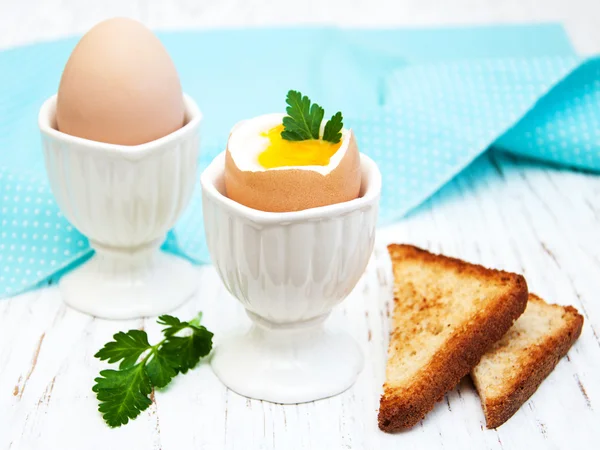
285,189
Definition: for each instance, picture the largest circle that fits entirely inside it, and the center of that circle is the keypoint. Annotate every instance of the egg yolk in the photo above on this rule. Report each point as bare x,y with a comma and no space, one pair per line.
282,153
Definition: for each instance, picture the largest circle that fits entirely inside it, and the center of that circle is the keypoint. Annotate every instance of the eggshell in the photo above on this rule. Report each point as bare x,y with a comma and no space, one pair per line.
119,86
295,189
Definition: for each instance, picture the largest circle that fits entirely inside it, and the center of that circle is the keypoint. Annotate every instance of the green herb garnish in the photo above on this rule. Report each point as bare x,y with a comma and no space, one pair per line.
123,394
303,121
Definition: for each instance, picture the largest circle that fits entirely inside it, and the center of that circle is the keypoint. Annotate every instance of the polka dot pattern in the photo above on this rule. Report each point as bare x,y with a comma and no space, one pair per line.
439,117
36,240
564,127
435,119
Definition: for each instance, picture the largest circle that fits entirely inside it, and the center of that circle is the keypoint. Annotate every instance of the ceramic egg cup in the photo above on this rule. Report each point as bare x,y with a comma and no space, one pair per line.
289,270
124,199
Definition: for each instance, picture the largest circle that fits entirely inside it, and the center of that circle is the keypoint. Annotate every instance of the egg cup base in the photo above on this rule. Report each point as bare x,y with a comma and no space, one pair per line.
288,364
129,287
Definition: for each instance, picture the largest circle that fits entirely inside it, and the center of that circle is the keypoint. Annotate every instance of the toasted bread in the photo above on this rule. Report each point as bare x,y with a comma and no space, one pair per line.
447,314
511,371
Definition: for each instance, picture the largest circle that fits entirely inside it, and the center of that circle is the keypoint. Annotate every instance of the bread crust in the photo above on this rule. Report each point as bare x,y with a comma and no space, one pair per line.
540,361
402,410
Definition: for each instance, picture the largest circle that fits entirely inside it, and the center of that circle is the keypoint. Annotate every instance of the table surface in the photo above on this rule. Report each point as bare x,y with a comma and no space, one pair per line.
538,220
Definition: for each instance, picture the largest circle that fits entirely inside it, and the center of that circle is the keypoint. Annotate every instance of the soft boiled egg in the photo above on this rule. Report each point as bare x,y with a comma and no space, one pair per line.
119,86
265,172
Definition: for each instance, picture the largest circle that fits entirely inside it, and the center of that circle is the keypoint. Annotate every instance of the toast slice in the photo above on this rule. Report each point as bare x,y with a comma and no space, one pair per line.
512,370
447,314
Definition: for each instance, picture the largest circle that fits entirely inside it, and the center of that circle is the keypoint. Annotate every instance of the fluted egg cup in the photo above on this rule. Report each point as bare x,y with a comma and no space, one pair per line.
124,199
289,270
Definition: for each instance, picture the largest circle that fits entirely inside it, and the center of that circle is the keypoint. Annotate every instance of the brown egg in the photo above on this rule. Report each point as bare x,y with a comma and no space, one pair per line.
119,86
285,189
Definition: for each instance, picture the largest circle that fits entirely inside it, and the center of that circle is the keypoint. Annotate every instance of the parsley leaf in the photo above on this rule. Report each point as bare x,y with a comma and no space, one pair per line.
303,121
160,369
185,352
333,128
174,324
126,347
123,394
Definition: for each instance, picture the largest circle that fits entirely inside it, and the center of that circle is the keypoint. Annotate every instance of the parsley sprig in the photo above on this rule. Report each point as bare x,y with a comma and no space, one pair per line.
303,121
123,394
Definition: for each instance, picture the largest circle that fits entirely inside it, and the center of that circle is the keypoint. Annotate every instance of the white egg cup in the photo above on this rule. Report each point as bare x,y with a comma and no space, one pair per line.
124,199
289,270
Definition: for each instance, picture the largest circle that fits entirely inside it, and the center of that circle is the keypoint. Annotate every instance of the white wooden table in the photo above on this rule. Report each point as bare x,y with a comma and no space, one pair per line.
543,222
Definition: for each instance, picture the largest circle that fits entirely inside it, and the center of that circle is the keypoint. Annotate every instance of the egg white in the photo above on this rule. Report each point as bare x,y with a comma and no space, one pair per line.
246,144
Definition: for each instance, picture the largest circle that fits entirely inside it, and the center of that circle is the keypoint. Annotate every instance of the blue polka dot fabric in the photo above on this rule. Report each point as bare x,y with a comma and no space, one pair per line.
36,240
422,121
446,115
564,127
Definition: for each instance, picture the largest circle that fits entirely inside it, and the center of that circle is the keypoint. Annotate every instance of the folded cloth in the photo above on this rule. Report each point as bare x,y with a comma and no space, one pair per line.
421,114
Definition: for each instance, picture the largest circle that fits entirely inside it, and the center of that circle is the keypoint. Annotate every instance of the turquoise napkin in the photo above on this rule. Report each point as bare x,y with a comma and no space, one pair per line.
423,103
